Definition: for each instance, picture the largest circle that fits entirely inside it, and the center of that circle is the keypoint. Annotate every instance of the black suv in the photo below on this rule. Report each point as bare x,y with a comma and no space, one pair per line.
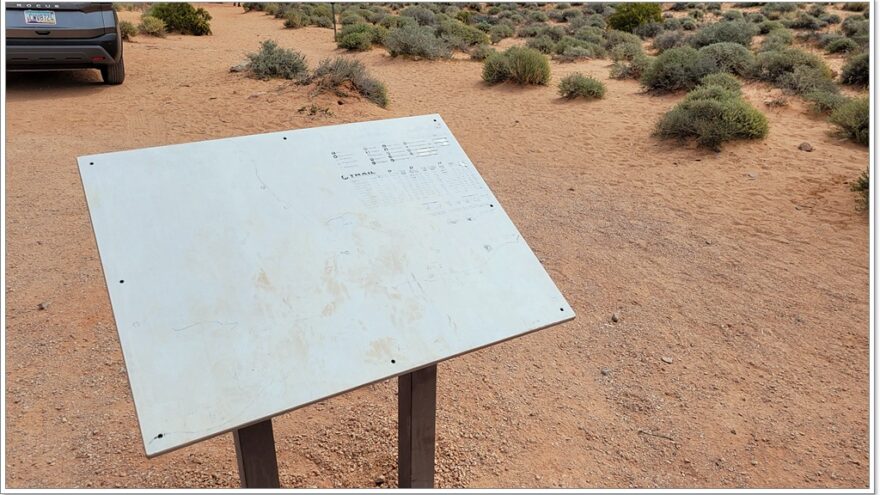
61,36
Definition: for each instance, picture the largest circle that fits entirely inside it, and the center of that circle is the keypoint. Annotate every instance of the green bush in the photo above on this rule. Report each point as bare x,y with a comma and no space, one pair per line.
775,65
499,32
713,115
805,79
626,51
183,18
841,45
528,66
469,35
725,31
416,41
862,186
669,39
590,35
578,85
294,19
824,102
496,68
855,26
152,26
767,26
728,57
543,44
722,80
853,118
481,52
340,72
777,39
360,36
518,64
127,30
856,72
855,6
273,61
633,69
422,15
648,30
778,8
580,52
675,69
629,16
804,21
614,38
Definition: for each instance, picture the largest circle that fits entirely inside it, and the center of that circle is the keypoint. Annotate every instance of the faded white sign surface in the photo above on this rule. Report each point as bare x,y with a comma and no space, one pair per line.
253,275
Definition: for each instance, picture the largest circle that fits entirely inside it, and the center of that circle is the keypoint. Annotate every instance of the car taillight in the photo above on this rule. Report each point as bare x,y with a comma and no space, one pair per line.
97,58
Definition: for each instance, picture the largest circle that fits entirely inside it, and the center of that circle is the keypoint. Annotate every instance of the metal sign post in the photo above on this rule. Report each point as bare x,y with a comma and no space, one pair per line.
252,276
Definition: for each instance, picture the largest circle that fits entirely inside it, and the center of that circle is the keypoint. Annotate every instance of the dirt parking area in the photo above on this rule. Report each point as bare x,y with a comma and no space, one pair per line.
739,280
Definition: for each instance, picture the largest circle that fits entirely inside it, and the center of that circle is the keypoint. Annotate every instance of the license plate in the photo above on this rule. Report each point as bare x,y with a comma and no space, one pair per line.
39,17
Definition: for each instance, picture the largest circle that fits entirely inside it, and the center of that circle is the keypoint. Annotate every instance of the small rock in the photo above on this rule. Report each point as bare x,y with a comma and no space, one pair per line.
615,318
606,372
43,305
752,175
665,359
754,462
339,102
380,480
805,146
239,68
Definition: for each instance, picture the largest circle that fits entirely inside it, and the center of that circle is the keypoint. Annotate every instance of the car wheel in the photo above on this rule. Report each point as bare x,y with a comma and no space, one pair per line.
113,73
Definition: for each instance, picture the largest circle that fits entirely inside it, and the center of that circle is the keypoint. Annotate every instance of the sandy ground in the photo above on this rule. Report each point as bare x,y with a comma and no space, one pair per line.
748,268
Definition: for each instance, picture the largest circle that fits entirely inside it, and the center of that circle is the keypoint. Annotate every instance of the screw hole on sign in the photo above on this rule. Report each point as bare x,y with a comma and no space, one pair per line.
91,163
284,138
160,435
393,361
122,281
561,309
491,206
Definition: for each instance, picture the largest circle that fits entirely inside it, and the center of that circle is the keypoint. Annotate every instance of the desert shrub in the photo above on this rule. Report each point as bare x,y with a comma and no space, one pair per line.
543,43
340,72
841,45
855,26
422,15
529,31
499,32
696,14
856,72
569,14
675,69
648,30
805,79
728,57
732,15
395,21
481,52
803,21
591,35
778,8
518,64
862,186
767,26
152,26
528,66
853,119
671,23
669,39
294,19
593,20
626,51
496,68
755,17
712,115
777,39
614,37
358,37
537,16
829,19
578,85
823,102
596,51
629,16
349,17
775,65
713,7
416,41
688,24
468,35
855,6
273,61
183,18
127,30
633,69
725,31
578,52
721,80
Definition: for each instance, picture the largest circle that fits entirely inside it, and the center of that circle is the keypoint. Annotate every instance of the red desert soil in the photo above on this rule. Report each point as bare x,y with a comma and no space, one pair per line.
747,269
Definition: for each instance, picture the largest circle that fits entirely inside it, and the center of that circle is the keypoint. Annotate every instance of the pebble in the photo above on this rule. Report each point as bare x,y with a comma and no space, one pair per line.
754,463
752,175
805,146
615,318
380,480
667,360
606,372
42,306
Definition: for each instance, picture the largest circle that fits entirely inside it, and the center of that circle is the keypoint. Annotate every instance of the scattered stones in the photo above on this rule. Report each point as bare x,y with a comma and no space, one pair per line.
805,146
615,317
666,359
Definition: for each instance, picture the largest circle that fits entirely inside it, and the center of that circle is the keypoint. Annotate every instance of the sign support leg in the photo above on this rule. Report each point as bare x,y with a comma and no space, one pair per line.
416,419
255,450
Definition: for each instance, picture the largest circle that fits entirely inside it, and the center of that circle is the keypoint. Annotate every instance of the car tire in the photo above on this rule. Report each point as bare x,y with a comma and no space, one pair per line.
113,73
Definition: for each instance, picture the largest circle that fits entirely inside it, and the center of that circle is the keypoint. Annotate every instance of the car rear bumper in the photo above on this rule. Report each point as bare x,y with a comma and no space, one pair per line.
23,55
